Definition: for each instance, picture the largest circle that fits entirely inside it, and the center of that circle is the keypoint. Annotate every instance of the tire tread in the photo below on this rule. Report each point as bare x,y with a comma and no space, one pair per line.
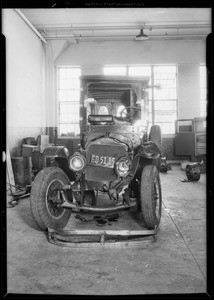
38,190
146,196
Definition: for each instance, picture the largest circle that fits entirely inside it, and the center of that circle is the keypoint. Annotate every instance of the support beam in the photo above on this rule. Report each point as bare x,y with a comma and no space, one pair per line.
30,25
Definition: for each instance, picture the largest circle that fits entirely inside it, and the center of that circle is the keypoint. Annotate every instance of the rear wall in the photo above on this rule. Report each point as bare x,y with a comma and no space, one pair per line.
188,55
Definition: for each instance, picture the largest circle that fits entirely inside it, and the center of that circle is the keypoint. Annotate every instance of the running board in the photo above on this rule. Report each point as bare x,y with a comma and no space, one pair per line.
97,238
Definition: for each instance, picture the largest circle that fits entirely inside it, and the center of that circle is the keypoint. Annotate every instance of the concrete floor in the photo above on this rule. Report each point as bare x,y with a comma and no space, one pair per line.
175,263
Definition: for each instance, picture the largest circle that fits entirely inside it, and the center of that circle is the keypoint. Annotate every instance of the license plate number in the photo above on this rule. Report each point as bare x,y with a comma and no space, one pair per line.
104,161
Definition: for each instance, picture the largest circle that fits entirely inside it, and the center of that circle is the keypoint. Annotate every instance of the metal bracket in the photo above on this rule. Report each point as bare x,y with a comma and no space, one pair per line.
115,238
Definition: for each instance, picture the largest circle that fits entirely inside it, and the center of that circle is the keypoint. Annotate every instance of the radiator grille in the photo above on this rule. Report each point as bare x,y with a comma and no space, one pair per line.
103,174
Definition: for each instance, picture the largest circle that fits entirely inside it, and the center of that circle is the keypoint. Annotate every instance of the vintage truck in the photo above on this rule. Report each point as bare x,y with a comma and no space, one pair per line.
117,156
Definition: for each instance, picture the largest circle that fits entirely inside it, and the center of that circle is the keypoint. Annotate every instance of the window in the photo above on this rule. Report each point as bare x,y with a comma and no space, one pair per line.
120,109
103,110
203,90
114,70
68,101
165,98
142,71
162,100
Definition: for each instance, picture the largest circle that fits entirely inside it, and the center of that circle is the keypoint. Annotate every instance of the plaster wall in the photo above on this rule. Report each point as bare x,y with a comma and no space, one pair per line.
25,102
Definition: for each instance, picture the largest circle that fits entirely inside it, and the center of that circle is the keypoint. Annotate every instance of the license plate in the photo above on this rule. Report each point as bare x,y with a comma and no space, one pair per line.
103,161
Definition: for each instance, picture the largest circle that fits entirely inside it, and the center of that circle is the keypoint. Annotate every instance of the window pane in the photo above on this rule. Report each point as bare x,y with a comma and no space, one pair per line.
65,84
172,94
203,108
165,117
166,105
64,95
165,82
165,98
150,106
203,94
165,77
149,92
164,93
103,110
69,129
66,72
68,99
71,83
75,95
114,70
69,113
140,71
69,95
165,128
165,69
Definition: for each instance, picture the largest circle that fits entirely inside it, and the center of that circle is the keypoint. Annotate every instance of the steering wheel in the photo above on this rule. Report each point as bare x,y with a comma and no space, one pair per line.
129,112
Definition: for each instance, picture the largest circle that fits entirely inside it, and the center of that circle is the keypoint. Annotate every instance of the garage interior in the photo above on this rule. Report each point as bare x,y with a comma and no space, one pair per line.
47,50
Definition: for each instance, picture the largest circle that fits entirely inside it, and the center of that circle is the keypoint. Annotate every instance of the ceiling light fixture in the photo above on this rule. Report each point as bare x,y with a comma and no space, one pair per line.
142,36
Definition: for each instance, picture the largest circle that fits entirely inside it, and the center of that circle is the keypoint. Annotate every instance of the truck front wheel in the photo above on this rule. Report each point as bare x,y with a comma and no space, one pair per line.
45,199
150,197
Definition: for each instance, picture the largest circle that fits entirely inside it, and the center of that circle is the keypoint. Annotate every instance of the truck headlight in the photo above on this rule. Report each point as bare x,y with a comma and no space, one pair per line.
122,166
77,162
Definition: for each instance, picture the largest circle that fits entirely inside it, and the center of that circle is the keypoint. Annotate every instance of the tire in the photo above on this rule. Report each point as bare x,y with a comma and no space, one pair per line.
150,197
155,135
43,208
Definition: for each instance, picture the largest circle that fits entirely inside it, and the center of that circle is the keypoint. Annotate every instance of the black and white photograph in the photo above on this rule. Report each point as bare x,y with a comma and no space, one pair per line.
106,150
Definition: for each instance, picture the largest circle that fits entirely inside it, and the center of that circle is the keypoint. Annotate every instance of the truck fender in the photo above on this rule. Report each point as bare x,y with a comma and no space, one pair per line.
148,150
50,154
56,156
145,154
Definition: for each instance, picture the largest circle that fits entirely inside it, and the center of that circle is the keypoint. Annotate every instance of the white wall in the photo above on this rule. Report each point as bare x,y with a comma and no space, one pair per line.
189,90
136,52
186,54
24,80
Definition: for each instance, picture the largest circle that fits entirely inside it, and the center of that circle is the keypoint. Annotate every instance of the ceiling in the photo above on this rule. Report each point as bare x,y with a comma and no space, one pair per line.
104,24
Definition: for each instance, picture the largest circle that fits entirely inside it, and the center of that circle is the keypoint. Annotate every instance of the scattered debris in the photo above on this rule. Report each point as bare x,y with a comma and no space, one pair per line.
100,220
164,166
193,173
22,193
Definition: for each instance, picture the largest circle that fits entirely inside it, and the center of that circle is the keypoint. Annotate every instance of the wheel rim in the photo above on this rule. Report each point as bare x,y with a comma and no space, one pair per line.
53,198
157,198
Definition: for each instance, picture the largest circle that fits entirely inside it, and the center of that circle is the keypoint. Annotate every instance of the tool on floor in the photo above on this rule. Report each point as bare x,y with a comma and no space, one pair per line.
101,220
97,238
22,193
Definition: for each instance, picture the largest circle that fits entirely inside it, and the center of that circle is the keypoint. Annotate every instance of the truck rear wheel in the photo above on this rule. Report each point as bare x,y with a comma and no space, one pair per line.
45,197
150,197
